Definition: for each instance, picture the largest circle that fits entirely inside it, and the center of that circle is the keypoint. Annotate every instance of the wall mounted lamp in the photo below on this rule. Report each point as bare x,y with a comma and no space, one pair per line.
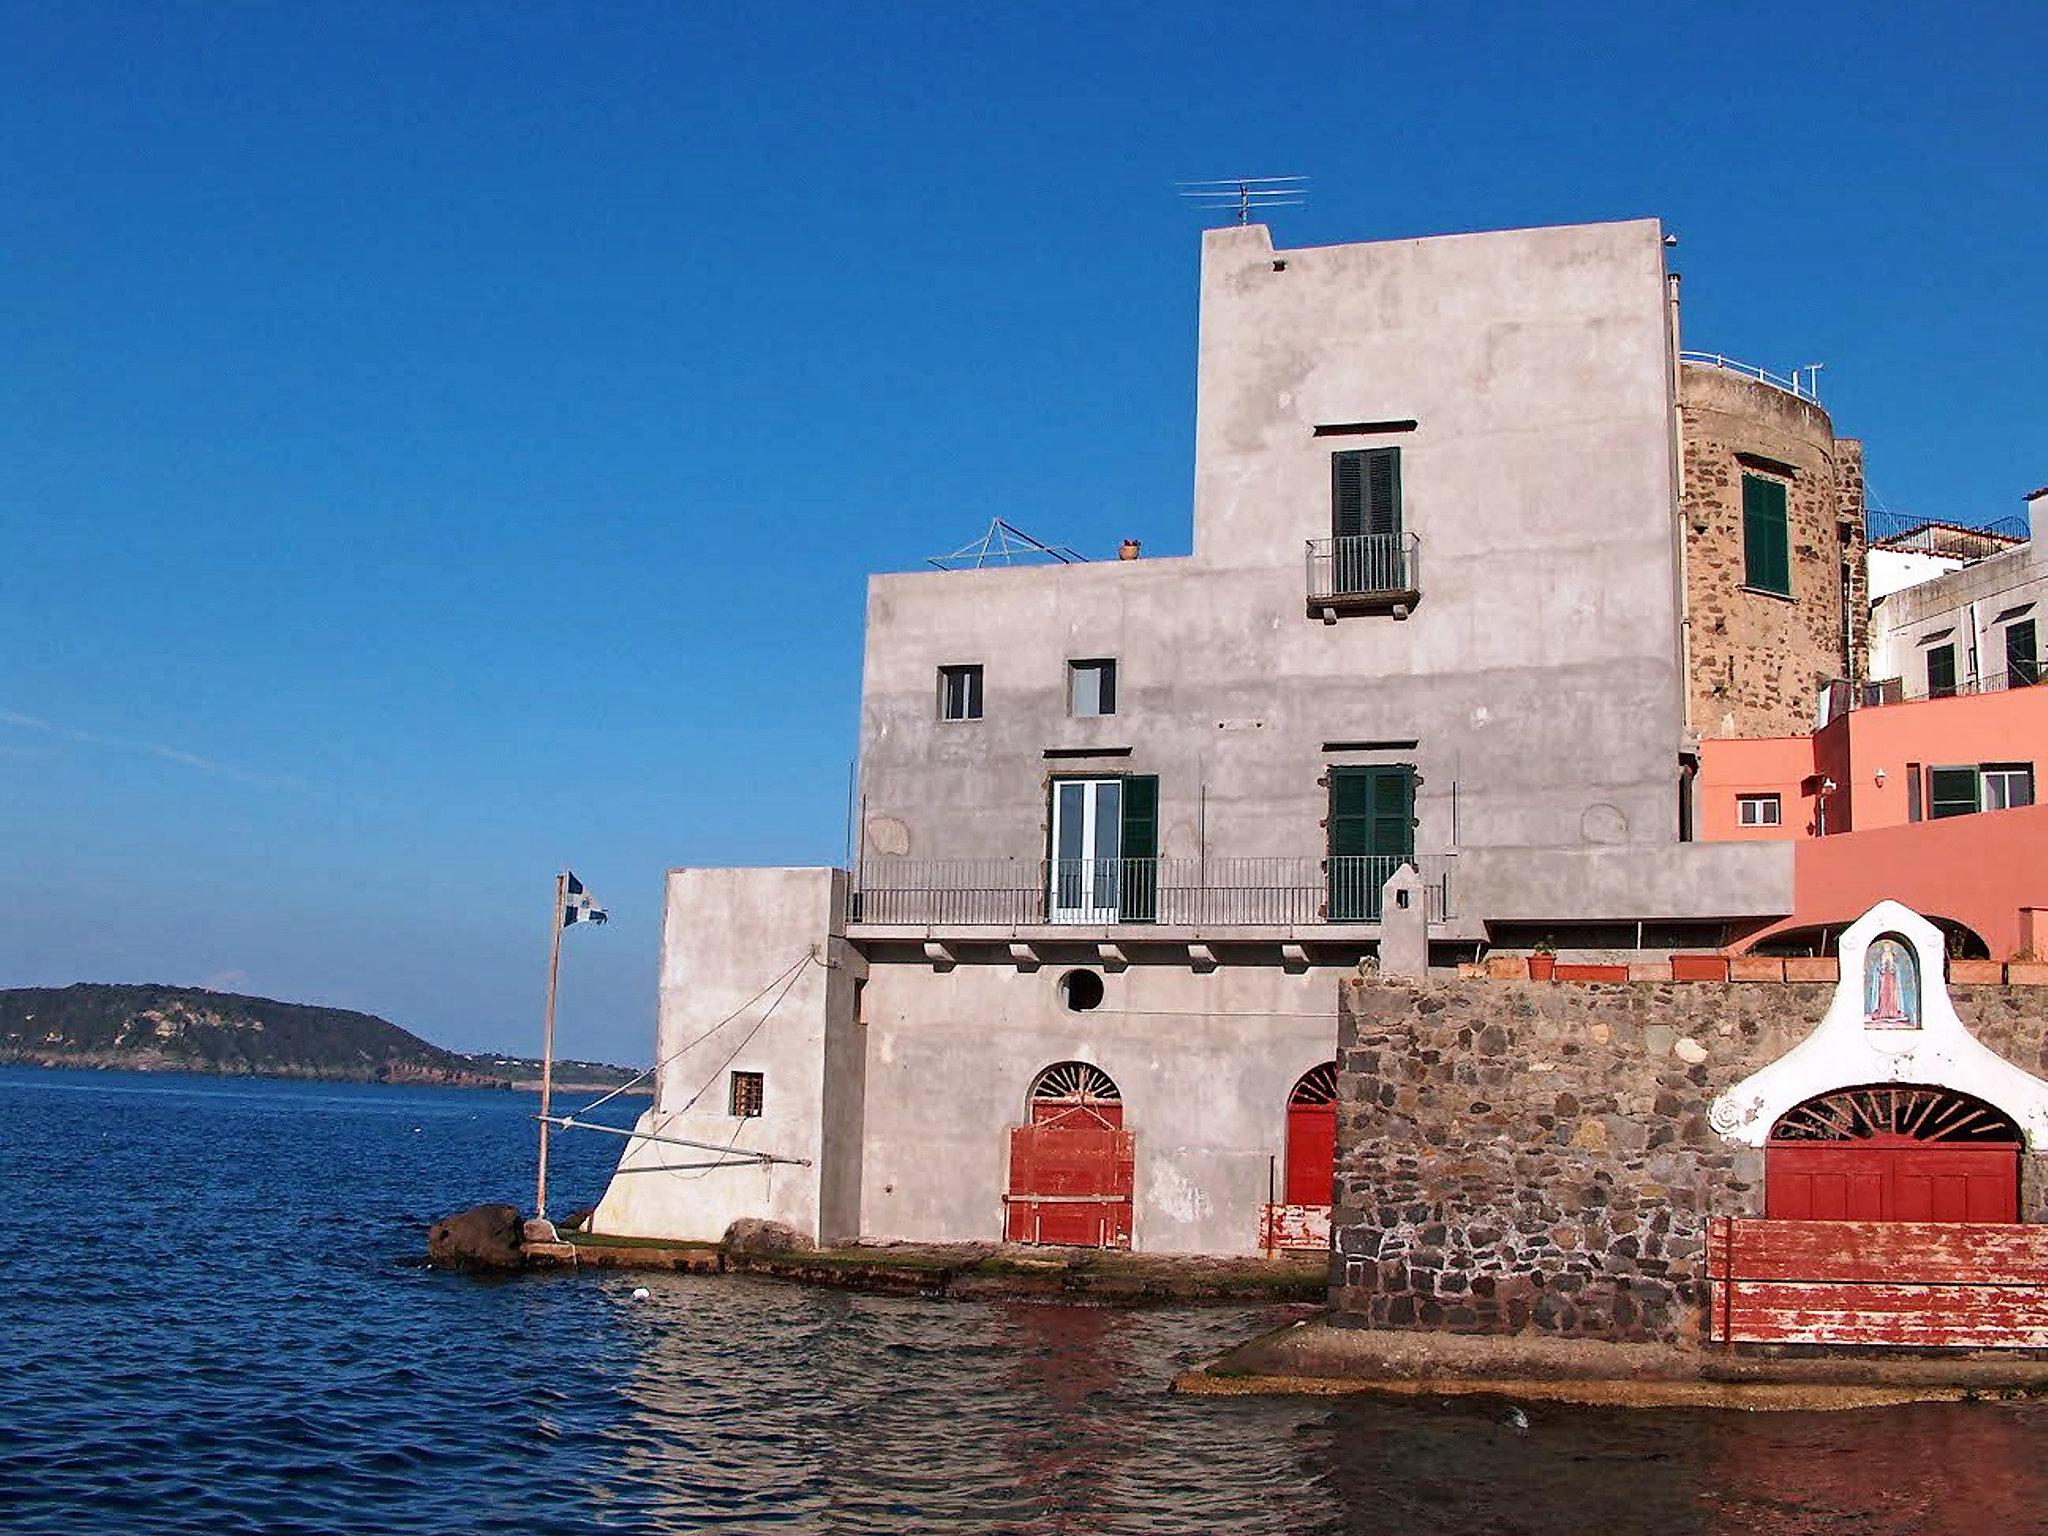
1880,778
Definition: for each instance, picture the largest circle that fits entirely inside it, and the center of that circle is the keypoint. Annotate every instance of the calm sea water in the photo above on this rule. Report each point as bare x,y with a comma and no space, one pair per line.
211,1319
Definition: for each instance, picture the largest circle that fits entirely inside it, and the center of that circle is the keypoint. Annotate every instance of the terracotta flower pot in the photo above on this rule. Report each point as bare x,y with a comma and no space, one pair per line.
1542,967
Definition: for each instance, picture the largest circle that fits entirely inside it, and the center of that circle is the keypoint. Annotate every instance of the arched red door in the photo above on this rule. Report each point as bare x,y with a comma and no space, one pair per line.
1312,1137
1073,1167
1894,1152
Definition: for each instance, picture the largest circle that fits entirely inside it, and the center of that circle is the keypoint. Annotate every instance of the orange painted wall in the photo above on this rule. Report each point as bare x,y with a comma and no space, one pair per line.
1763,765
1984,871
2006,727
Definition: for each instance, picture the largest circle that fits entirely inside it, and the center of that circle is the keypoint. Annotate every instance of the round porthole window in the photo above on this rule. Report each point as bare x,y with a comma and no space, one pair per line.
1081,990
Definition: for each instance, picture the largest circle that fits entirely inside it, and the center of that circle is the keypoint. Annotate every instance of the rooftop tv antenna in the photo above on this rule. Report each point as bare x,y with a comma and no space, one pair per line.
1004,544
1246,193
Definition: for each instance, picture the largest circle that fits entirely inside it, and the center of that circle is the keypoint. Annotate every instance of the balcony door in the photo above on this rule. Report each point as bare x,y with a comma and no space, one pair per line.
1372,834
1087,841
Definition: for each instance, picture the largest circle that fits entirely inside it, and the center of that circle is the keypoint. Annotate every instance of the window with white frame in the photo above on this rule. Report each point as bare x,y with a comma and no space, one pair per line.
1091,688
1758,810
960,693
2008,786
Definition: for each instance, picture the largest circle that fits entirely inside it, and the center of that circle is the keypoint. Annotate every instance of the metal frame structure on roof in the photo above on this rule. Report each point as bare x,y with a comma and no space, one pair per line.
1005,544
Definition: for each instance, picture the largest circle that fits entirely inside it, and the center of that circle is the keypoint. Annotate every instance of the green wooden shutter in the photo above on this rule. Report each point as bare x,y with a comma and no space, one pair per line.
1941,671
1952,792
1766,551
1372,820
1383,490
2022,662
1347,494
1140,849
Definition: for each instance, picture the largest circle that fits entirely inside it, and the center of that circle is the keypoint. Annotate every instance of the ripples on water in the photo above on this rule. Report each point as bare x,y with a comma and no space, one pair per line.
210,1322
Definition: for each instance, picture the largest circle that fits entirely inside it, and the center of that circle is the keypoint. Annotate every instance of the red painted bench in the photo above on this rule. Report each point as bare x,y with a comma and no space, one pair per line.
1919,1284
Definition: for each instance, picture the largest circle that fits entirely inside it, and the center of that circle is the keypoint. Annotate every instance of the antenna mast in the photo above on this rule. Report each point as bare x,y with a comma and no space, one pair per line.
1246,193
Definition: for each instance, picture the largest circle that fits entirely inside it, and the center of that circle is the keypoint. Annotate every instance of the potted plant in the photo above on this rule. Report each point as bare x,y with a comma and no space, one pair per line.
1542,961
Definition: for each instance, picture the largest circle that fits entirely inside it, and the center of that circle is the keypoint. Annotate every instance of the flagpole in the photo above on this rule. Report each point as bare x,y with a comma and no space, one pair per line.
547,1047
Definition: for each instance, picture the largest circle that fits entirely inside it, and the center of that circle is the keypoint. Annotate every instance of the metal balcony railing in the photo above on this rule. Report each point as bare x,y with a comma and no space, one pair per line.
1275,892
1364,569
1897,690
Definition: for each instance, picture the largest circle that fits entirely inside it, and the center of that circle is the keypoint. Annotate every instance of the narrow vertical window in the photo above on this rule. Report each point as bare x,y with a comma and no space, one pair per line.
1941,671
1913,792
1365,492
2022,660
745,1095
1091,688
960,693
1766,542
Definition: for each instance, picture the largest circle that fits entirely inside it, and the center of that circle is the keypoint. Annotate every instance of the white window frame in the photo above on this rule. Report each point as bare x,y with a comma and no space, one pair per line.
1087,847
1760,803
2003,775
1103,669
973,691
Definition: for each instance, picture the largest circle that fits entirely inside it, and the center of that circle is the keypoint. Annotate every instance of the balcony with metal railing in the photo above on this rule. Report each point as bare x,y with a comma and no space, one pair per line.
1897,690
1195,894
1364,573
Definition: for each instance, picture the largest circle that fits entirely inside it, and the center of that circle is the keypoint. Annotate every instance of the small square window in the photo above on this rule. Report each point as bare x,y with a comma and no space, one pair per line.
1091,688
1758,810
960,693
745,1097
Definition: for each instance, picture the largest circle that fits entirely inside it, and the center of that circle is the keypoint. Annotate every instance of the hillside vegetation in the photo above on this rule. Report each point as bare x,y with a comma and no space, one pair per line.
188,1029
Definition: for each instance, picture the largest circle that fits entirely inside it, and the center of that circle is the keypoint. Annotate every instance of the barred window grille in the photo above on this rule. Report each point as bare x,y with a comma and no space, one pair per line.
746,1094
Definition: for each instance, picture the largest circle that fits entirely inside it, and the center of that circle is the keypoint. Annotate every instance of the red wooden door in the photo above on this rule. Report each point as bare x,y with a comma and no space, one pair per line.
1890,1178
1072,1175
1311,1153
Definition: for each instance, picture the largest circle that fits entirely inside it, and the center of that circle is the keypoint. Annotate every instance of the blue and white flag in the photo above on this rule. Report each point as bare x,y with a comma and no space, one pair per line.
578,905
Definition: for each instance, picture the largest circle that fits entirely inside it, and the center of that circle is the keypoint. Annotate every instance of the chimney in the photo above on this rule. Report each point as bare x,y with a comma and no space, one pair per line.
1128,550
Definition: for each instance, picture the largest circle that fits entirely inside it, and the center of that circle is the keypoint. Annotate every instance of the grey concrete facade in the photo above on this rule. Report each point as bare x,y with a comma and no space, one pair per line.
1529,673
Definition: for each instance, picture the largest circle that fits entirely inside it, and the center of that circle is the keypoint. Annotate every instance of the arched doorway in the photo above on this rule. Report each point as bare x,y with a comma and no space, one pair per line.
1312,1137
1072,1166
1892,1152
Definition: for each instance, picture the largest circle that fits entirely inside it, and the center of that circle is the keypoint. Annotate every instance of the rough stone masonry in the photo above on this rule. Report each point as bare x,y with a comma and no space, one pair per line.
1529,1157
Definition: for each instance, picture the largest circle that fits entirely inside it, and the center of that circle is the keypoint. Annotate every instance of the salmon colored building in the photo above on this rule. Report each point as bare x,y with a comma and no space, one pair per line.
1931,802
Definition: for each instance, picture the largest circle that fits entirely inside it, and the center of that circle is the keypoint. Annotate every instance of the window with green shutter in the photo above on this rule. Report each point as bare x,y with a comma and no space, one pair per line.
1372,831
1140,849
1766,542
1365,492
1952,792
2022,660
1941,671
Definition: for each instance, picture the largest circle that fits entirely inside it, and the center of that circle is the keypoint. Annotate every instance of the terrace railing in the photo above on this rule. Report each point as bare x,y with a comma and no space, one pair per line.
1265,891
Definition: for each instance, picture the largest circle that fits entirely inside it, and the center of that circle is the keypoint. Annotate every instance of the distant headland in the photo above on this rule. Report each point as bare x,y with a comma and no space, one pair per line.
150,1028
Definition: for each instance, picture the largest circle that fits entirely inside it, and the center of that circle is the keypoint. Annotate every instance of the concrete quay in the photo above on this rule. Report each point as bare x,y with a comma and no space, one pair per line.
1322,1357
966,1271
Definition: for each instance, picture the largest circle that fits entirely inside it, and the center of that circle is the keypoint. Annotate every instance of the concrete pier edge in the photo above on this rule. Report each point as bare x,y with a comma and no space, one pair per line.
1316,1358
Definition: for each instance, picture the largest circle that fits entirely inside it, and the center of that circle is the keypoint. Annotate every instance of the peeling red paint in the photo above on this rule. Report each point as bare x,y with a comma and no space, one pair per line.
1960,1285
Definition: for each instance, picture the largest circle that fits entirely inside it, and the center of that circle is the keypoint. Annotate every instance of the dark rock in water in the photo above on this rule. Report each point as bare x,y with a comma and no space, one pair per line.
578,1220
752,1235
484,1237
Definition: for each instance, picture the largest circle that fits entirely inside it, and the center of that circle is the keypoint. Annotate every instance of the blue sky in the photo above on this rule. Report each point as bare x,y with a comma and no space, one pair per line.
443,442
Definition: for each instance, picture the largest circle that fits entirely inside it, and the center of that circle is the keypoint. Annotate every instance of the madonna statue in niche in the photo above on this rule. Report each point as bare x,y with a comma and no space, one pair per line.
1891,985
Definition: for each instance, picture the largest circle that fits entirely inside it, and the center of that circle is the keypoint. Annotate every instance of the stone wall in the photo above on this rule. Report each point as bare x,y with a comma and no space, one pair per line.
1757,659
1525,1156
